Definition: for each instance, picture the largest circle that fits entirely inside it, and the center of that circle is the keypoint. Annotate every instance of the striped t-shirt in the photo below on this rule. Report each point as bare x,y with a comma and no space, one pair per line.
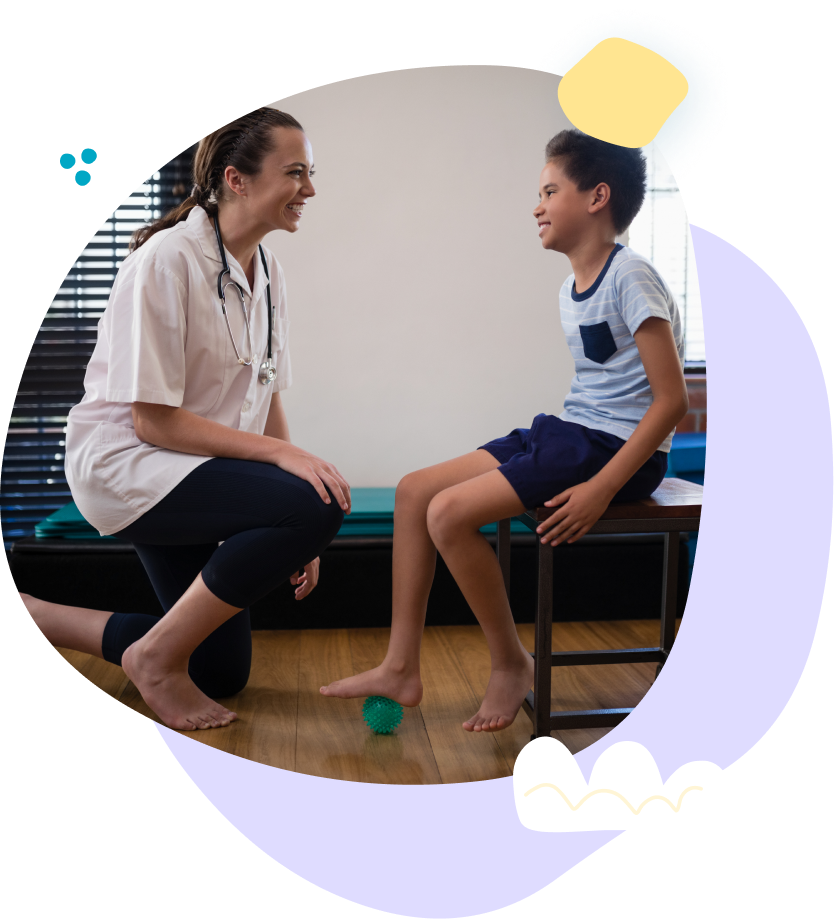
610,391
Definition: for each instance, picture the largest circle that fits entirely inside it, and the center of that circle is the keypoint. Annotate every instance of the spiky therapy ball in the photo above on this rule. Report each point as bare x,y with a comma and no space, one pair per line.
382,715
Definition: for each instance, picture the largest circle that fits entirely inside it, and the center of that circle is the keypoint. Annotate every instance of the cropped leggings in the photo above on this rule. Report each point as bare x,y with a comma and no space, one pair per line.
271,524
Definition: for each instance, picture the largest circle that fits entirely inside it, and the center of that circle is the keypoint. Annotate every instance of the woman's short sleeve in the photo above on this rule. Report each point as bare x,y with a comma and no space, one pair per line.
281,330
147,335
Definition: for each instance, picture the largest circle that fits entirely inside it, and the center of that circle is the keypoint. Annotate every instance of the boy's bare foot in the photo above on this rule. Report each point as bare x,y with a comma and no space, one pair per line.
171,694
407,689
505,693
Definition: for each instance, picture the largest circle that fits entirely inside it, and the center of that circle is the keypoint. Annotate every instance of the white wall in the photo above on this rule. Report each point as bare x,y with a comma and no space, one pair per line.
424,311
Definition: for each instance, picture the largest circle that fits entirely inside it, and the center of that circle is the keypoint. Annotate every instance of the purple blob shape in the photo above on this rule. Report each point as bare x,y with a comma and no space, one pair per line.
427,843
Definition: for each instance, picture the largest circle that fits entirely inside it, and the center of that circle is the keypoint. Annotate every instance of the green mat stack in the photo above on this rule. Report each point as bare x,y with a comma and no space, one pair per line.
372,516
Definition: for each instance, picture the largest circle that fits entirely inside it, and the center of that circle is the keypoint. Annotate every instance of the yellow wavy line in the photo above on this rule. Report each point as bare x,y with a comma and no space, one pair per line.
610,791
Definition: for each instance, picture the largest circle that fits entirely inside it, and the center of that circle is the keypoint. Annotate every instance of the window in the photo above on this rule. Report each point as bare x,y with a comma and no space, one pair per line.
661,233
33,484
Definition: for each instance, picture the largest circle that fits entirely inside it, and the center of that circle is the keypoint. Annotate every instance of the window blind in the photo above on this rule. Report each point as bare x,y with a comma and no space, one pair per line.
32,483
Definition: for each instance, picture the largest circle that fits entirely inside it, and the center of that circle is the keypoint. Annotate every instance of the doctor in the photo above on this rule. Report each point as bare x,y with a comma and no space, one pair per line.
181,441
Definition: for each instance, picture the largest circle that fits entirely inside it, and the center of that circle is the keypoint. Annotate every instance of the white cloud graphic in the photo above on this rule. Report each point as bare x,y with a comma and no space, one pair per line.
551,794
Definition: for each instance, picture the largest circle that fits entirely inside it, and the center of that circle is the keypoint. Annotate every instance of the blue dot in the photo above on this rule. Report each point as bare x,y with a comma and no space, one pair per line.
89,155
82,177
67,160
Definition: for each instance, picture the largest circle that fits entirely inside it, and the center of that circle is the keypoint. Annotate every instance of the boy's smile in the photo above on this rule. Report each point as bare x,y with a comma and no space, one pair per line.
563,210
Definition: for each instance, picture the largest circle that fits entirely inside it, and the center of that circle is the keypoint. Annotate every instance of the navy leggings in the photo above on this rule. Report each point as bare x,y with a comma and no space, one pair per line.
271,524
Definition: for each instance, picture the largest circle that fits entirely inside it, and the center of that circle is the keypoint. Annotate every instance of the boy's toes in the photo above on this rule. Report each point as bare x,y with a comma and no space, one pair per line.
478,725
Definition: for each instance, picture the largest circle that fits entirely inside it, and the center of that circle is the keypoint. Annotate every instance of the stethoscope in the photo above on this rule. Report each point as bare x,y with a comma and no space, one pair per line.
266,372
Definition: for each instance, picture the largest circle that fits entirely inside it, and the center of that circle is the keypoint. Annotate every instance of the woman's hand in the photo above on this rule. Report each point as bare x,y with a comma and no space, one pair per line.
579,509
305,580
315,471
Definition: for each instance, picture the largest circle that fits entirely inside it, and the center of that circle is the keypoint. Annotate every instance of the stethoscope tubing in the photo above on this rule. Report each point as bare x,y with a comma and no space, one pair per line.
266,373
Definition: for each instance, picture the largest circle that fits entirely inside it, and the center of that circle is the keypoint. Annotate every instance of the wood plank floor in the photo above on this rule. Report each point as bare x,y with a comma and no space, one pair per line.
283,721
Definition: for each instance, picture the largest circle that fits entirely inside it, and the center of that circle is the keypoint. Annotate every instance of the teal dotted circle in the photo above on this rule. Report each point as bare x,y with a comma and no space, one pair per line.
68,160
89,155
82,177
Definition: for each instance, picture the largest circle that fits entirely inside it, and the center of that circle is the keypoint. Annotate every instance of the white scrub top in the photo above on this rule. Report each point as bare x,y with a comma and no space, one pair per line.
163,339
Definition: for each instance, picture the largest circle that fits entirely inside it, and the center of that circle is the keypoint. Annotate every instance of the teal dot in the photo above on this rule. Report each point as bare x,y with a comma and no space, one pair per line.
67,160
89,155
82,177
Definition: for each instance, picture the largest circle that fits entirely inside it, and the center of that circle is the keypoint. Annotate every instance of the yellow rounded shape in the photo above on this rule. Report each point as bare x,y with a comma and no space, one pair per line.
621,92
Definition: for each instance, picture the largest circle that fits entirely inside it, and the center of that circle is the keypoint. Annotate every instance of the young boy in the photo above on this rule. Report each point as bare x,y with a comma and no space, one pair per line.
610,442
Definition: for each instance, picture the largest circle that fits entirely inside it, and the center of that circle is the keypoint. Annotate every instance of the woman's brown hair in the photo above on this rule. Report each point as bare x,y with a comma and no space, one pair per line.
243,144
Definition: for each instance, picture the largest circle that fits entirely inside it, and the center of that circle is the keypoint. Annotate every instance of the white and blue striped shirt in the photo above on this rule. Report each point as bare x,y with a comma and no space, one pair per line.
610,391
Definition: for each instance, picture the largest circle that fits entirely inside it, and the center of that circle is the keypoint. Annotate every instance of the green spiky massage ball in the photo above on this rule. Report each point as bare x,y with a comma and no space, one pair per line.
382,715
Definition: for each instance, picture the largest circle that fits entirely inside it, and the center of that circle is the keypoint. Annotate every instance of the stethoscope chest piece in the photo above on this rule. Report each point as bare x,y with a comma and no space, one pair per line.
266,373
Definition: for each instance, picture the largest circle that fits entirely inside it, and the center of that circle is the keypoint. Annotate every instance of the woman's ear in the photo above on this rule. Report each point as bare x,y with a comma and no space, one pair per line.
235,180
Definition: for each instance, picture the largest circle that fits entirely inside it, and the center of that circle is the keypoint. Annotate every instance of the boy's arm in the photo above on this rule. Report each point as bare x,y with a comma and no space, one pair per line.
581,506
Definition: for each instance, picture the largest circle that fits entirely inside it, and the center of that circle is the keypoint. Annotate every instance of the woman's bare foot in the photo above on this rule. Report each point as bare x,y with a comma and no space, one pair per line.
505,693
399,685
171,693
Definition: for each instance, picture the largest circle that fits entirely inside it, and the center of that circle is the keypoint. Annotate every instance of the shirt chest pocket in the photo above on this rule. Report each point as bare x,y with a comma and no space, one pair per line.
597,342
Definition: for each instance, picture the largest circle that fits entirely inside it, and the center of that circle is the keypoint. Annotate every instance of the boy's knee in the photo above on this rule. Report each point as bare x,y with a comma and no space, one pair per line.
445,516
413,491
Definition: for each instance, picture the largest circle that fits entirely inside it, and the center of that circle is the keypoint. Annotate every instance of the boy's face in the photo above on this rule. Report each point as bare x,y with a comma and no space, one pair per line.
563,211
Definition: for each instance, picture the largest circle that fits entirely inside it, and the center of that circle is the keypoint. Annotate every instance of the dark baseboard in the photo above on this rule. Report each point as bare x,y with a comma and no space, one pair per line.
601,578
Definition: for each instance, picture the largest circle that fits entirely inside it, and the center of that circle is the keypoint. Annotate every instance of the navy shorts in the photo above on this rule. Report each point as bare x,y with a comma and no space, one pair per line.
552,455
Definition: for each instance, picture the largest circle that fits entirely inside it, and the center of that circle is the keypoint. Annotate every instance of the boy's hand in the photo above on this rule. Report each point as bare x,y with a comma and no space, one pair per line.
579,509
305,580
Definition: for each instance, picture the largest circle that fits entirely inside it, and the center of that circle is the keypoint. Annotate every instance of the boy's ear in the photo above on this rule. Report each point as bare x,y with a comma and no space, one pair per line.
600,196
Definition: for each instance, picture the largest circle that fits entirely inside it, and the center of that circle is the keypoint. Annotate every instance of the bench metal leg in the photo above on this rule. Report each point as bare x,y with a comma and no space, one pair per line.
503,551
537,703
669,607
544,643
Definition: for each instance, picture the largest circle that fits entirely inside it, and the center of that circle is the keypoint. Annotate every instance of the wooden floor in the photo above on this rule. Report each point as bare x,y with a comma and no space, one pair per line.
283,721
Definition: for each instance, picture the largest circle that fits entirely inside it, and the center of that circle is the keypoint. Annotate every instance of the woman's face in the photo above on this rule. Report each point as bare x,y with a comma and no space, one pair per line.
276,196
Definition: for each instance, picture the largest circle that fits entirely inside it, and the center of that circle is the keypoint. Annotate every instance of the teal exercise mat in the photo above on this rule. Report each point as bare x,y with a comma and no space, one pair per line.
67,523
372,515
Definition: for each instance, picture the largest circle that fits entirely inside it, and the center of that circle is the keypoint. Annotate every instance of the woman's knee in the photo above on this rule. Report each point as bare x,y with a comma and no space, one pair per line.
334,517
227,682
220,664
321,527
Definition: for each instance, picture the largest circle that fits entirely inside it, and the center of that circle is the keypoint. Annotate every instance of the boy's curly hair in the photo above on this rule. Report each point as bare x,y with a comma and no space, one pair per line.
588,161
